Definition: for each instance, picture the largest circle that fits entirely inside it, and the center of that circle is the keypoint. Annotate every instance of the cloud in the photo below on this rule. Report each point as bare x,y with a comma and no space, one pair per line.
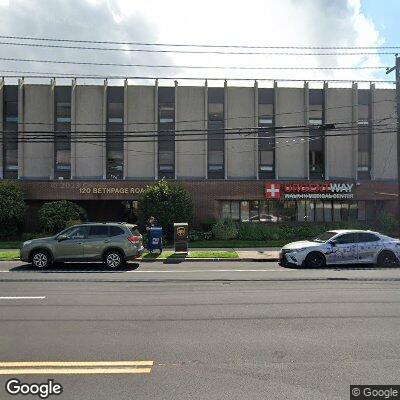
254,22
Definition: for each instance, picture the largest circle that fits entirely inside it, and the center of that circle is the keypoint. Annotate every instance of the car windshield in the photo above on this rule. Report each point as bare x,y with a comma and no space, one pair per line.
324,237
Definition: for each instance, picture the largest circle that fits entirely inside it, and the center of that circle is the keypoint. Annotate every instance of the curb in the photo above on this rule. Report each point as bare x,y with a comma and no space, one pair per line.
178,260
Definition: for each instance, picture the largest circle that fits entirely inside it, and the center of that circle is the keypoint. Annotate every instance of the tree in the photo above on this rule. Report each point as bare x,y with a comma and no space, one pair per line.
168,203
12,209
54,216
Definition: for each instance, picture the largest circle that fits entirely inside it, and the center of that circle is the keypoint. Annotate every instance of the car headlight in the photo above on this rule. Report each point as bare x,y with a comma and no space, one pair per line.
27,242
295,250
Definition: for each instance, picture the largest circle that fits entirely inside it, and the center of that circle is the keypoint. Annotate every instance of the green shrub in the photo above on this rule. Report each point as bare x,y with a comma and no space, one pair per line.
225,229
207,235
168,203
12,209
32,235
387,223
53,217
207,224
195,235
72,222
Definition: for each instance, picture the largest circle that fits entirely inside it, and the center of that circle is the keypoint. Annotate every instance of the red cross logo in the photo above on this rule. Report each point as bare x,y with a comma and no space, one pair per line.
273,191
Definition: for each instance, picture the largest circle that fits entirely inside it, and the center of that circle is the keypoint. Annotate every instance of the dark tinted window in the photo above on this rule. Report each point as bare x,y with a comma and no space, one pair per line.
345,239
98,231
366,237
116,230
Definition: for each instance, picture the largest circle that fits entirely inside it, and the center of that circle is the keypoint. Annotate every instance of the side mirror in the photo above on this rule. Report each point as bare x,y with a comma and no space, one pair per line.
62,237
332,243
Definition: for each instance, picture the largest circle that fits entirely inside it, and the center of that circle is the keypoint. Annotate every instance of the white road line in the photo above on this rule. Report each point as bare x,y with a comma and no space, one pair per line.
214,270
21,297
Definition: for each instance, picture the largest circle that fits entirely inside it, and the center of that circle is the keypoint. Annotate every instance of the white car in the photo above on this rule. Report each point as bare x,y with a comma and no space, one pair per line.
342,247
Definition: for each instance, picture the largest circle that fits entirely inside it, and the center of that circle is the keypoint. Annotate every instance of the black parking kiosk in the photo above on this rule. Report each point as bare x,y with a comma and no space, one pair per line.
181,237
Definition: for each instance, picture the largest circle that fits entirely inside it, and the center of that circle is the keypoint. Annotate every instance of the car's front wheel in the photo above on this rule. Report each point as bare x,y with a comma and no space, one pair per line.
387,259
114,259
315,260
41,259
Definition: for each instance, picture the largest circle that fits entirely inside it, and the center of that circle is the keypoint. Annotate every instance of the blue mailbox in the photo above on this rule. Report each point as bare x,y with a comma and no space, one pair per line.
154,241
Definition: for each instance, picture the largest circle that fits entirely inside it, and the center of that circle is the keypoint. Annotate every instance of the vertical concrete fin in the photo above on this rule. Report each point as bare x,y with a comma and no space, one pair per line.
21,128
226,119
354,126
371,117
1,126
205,128
306,131
126,129
73,128
104,130
156,129
326,133
52,127
276,92
176,147
255,122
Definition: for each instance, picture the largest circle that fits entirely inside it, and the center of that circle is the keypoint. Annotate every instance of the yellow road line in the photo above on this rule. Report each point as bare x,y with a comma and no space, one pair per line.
74,363
68,371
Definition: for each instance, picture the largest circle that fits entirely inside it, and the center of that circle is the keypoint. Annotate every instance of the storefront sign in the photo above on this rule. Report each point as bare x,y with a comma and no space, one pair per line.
308,190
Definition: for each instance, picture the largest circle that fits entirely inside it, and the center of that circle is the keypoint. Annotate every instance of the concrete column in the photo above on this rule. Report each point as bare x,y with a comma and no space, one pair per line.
126,129
326,118
176,155
21,145
371,118
52,127
156,130
305,131
226,119
354,128
276,92
73,129
255,123
1,125
104,129
205,127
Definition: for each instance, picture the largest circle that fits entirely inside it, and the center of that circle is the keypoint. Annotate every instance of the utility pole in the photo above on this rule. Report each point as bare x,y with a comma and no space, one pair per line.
389,70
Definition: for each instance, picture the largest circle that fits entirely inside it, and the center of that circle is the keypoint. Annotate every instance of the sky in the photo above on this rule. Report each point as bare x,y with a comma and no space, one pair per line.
226,22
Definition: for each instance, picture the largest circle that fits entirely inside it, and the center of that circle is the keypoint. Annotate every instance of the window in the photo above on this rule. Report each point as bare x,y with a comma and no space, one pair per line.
79,232
10,126
364,135
216,133
266,135
316,134
366,237
62,135
115,133
98,231
115,231
166,132
345,238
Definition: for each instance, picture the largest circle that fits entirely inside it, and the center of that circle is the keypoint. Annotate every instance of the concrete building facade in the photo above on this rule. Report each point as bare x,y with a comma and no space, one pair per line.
237,149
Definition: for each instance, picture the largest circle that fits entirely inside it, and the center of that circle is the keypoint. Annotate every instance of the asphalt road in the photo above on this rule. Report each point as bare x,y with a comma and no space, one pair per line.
219,330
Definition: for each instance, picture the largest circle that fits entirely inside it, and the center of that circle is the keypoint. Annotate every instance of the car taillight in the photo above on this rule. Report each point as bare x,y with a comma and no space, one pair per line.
134,239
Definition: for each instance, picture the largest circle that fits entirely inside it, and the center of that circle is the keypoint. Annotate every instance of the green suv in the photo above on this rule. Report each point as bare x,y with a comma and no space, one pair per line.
112,243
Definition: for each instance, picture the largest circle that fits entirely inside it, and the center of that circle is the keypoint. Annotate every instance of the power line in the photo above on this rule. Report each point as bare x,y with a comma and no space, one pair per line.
348,125
62,75
186,66
55,46
31,38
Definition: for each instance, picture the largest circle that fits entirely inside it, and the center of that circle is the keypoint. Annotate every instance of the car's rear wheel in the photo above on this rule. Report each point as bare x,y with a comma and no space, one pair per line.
114,259
41,259
387,259
315,260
